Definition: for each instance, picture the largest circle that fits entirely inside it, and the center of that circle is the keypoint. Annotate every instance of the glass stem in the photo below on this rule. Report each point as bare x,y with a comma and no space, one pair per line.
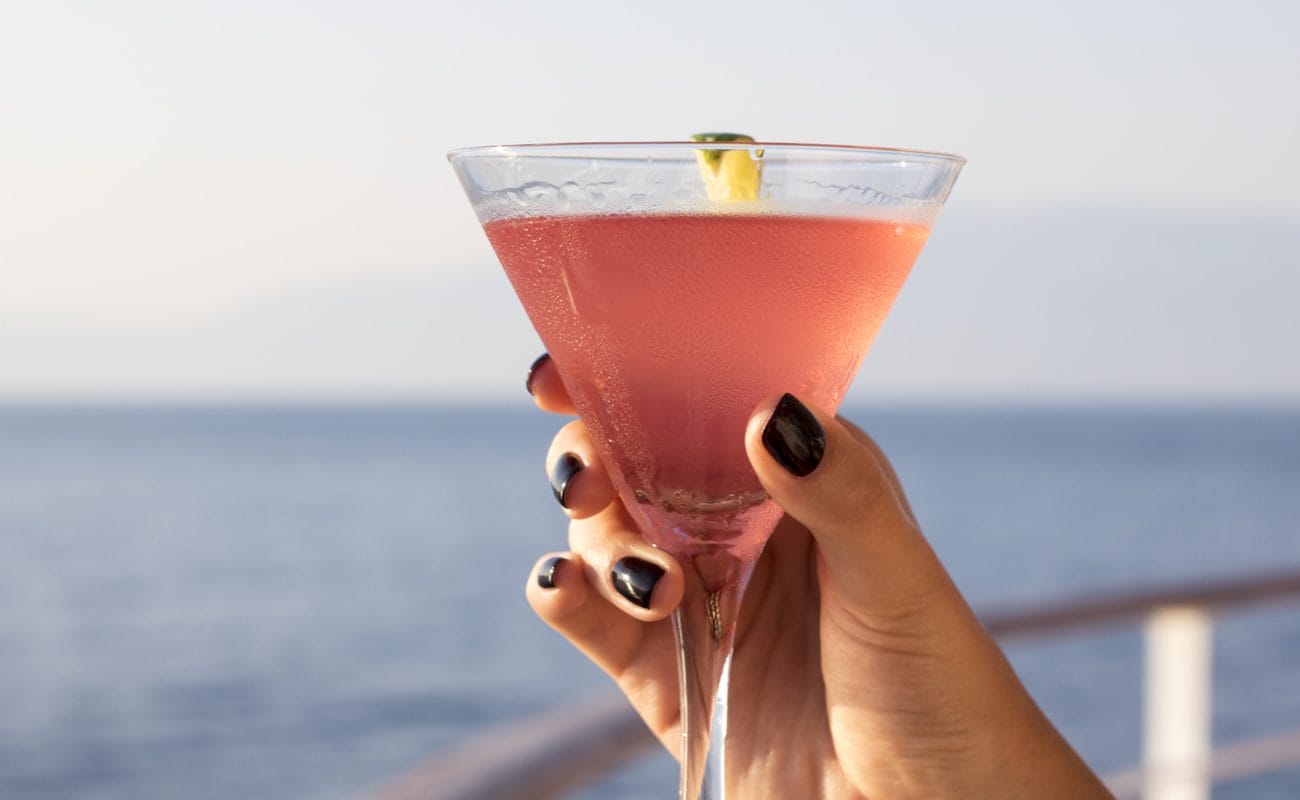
705,627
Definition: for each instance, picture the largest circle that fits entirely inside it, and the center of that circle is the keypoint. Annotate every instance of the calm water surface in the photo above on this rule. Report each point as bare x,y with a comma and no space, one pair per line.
300,602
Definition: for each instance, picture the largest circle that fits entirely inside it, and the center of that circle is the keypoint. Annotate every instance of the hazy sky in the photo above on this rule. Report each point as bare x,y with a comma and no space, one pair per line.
251,198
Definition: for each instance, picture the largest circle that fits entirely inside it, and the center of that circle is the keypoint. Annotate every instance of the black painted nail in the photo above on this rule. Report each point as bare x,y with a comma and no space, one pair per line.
546,572
532,368
566,466
635,579
794,437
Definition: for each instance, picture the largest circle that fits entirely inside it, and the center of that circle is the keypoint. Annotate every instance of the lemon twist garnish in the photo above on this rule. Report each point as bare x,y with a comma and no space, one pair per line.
729,175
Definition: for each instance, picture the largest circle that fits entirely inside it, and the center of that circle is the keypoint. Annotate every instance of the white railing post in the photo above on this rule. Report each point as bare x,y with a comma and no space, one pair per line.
1176,730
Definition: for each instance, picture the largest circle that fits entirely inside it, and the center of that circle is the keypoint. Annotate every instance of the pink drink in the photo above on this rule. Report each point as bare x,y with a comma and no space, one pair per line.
670,329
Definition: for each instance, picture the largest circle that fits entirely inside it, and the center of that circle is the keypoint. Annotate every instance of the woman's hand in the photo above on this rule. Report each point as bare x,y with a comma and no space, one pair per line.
859,670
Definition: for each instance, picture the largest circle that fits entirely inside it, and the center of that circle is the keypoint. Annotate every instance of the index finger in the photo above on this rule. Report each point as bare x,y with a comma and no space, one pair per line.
547,389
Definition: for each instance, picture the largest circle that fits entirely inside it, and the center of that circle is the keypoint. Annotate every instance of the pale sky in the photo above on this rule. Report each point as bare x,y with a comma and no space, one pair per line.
250,199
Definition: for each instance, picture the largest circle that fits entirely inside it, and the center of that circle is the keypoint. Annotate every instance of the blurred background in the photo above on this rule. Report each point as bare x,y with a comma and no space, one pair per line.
270,485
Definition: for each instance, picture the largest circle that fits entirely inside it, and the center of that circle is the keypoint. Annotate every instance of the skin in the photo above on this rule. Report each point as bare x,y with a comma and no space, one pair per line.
867,674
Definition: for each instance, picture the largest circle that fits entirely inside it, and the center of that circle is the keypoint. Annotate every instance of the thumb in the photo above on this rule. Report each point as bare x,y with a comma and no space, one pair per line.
839,486
929,680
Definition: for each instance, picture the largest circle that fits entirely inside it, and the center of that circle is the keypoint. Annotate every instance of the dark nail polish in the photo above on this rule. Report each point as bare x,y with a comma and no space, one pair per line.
566,466
635,579
532,369
794,437
546,572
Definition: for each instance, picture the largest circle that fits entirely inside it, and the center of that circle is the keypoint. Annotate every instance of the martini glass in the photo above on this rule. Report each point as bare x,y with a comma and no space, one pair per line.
677,285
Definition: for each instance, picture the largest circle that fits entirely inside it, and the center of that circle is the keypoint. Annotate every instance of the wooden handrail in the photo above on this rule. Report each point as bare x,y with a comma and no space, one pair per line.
1215,595
556,752
1228,763
542,756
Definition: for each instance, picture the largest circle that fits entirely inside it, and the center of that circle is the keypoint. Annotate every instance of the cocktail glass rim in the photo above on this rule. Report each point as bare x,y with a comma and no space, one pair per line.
574,149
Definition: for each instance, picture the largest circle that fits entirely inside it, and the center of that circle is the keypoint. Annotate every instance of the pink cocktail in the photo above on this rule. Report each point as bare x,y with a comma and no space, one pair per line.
670,329
674,302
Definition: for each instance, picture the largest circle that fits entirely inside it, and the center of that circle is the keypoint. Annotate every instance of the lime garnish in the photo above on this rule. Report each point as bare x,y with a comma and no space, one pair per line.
729,174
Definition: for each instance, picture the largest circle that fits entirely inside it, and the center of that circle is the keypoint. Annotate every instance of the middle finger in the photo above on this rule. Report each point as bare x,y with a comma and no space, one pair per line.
578,477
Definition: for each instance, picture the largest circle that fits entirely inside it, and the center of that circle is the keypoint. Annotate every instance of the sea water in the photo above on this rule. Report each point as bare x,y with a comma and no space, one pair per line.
302,602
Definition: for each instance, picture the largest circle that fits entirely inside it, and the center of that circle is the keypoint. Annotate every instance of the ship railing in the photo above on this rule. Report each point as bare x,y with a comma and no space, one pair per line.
556,753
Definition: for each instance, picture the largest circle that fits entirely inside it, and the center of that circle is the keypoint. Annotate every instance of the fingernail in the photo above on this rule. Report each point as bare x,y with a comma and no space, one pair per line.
532,368
794,437
546,572
566,466
635,579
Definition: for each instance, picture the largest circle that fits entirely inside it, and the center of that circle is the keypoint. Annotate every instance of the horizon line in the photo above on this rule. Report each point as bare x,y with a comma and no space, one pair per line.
503,402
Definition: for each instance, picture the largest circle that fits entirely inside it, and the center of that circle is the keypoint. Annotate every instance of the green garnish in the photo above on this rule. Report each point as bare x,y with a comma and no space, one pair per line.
731,174
714,157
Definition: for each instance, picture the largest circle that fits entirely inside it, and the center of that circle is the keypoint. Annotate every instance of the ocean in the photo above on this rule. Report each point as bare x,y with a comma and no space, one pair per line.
302,602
